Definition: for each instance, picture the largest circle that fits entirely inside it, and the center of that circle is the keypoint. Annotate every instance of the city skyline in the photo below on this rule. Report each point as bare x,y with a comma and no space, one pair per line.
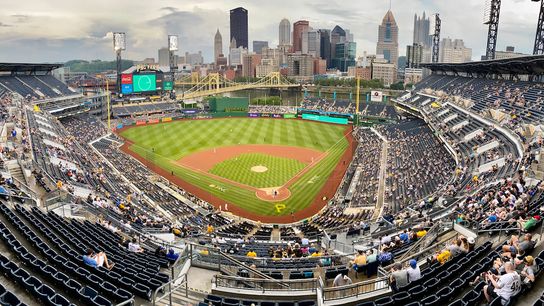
63,30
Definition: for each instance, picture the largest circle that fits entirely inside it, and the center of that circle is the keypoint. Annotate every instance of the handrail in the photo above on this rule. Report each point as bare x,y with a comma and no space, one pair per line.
420,241
355,289
180,261
127,302
290,284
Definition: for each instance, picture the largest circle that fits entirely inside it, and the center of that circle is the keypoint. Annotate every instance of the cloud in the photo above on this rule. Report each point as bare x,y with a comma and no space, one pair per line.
75,29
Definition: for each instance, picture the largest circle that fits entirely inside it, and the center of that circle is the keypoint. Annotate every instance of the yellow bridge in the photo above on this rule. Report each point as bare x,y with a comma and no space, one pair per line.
214,84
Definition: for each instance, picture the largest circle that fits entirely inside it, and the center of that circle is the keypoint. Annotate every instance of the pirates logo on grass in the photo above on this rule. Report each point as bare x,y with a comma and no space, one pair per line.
280,208
217,187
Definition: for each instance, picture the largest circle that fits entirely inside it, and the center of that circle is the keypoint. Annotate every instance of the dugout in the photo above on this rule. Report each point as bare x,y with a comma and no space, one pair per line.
228,105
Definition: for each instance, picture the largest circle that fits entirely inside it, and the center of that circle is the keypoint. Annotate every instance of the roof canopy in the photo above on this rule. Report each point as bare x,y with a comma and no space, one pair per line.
27,67
525,65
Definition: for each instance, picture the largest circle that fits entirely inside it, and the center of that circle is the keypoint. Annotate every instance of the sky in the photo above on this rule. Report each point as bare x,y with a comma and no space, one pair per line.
62,30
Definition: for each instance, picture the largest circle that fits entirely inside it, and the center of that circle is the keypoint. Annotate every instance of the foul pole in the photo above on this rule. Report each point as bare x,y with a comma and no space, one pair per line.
357,99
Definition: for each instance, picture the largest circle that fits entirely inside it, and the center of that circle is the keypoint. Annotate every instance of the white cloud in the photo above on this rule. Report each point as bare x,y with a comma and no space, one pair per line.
59,30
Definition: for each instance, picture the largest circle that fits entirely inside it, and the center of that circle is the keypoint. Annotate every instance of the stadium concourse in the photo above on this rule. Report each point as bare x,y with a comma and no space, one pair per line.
441,203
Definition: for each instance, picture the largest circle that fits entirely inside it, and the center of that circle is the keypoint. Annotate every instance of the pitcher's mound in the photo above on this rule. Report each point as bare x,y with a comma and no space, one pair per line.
259,169
274,194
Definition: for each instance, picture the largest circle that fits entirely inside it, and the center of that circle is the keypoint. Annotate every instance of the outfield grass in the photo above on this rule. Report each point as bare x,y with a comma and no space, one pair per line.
164,144
279,170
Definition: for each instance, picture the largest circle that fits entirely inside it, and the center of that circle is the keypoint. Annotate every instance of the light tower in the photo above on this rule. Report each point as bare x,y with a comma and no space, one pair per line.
491,18
119,45
436,38
172,47
539,37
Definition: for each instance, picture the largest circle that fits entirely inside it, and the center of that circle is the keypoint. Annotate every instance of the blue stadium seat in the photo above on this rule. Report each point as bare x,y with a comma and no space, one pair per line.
86,294
100,301
59,300
32,284
431,300
44,293
9,299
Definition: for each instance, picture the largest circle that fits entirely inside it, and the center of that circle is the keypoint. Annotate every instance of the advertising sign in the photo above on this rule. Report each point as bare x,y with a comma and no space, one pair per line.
325,119
289,116
253,115
126,78
376,96
277,116
126,88
168,85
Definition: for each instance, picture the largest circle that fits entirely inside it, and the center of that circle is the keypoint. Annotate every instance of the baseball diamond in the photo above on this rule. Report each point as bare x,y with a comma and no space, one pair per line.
252,164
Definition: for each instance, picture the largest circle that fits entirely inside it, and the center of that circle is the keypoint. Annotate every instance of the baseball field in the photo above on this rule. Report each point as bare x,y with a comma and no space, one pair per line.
268,170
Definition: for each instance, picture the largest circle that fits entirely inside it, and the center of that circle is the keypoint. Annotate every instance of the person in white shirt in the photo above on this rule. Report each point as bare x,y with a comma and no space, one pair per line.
135,247
505,286
413,271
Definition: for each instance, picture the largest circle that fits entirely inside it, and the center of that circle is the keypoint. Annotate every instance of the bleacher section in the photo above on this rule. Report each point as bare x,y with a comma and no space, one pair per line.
36,87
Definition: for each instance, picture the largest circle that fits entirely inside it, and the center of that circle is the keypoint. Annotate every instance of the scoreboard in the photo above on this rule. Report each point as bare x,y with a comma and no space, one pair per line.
145,82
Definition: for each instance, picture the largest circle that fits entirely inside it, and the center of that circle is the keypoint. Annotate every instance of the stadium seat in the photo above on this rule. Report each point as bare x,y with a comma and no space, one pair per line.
44,293
32,284
59,300
9,299
413,304
457,303
87,294
401,298
100,301
416,292
385,301
431,300
368,303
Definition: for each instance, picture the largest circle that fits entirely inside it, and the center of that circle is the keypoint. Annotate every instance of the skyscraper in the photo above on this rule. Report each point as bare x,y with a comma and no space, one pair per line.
421,31
338,35
258,46
238,26
217,45
285,32
454,51
388,38
325,48
311,43
345,53
299,27
414,55
164,57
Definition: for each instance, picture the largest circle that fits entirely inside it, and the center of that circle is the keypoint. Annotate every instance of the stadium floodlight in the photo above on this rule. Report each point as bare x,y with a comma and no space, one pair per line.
119,41
173,42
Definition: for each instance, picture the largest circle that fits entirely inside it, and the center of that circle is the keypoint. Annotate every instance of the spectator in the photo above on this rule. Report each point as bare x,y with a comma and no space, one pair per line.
371,257
97,260
172,255
251,253
359,261
135,247
413,271
529,271
398,277
341,280
505,286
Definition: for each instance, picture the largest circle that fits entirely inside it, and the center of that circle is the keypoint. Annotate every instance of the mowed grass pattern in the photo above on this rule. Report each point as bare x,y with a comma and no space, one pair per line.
279,170
164,144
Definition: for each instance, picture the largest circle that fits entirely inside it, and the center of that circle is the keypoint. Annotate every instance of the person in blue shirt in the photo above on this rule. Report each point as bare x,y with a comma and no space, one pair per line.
97,260
172,255
404,236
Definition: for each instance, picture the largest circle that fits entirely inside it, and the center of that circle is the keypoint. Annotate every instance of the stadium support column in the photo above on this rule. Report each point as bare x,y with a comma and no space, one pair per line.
436,38
118,70
539,38
493,22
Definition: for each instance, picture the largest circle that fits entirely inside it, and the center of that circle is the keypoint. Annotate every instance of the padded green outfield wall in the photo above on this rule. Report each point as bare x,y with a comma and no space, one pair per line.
227,104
